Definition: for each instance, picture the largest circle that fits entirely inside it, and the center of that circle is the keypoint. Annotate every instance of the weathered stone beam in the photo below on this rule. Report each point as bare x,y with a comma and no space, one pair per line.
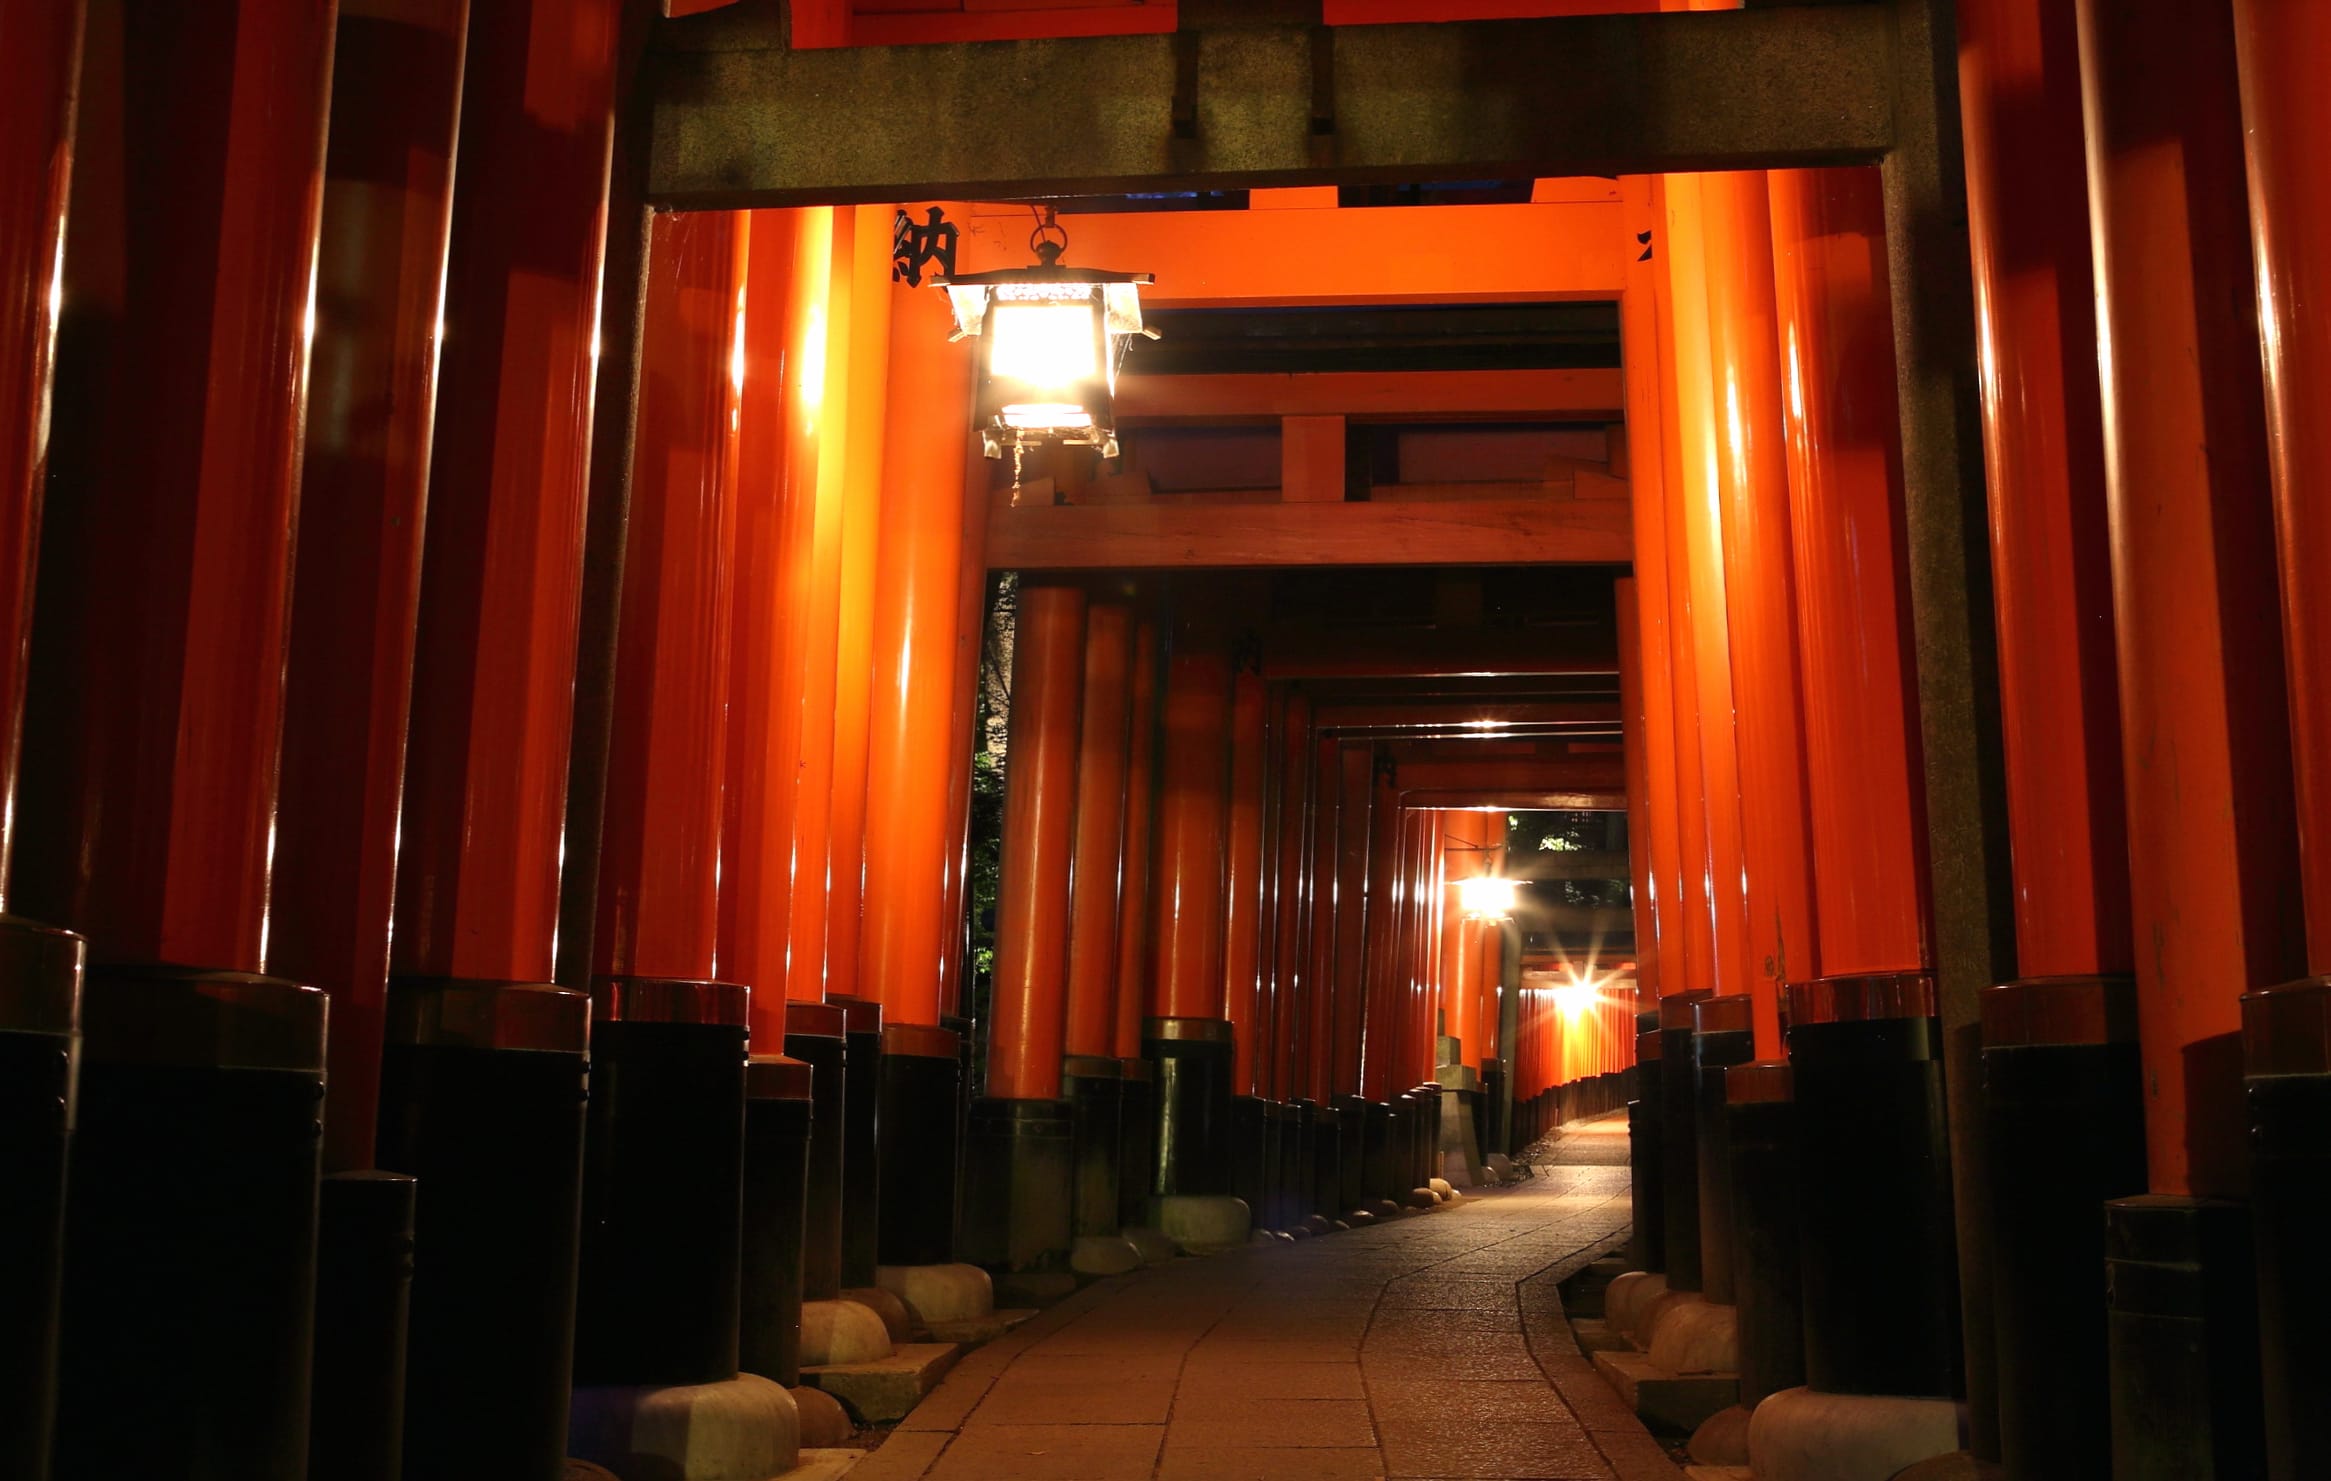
740,120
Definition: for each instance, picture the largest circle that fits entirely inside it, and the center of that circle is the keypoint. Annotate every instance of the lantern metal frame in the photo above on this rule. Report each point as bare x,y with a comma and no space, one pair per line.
1080,410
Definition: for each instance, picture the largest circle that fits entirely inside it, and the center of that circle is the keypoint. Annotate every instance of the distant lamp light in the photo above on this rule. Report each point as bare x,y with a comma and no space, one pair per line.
1487,896
1578,993
1053,338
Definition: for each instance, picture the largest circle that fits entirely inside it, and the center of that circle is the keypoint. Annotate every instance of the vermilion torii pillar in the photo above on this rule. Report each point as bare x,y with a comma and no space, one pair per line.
1018,1179
40,967
380,281
2206,745
2067,1105
153,724
1185,1037
1137,1157
1094,1077
2287,1031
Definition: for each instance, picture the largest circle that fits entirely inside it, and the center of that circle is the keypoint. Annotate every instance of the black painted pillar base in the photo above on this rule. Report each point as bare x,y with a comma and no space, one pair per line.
1723,1035
1493,1103
1284,1150
188,1305
2286,1041
1351,1174
364,1281
817,1034
1647,1249
1679,1143
1137,1149
2182,1339
1194,1060
1321,1132
663,1184
1095,1086
918,1129
1380,1156
2064,1112
1880,1261
1760,1116
780,1131
861,1159
1019,1184
40,1041
482,1101
1250,1155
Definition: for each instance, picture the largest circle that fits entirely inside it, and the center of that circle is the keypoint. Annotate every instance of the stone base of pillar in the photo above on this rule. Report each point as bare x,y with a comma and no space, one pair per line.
663,1184
825,1424
1459,1163
1722,1438
364,1279
1800,1435
942,1293
1104,1254
779,1100
861,1160
843,1332
1204,1224
745,1427
1692,1334
817,1034
40,1025
1627,1295
919,1120
185,1344
2286,1035
482,1100
2182,1340
1019,1184
2064,1128
1150,1243
895,1317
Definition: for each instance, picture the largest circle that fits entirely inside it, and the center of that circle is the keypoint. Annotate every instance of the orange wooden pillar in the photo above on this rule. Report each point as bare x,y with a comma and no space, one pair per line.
1185,1037
1245,898
2027,197
1844,477
380,281
154,704
2287,1051
1752,484
1707,740
663,1175
2206,747
1137,1148
1018,1153
1093,1076
1642,780
40,967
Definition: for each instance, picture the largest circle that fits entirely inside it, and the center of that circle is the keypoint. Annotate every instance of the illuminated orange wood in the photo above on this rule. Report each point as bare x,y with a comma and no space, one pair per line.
1653,717
1030,1008
1244,901
659,866
1141,805
1186,913
485,772
1366,395
1646,899
1320,651
1099,866
927,624
1389,254
1866,804
2287,115
1311,459
380,279
155,694
43,41
2043,457
1759,588
1695,493
2213,853
864,486
1164,536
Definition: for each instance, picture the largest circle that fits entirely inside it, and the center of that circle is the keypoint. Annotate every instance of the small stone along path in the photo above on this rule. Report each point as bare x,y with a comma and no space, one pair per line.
1432,1346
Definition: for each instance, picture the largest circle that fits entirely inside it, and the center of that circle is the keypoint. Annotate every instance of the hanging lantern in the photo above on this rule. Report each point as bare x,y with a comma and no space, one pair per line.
1052,338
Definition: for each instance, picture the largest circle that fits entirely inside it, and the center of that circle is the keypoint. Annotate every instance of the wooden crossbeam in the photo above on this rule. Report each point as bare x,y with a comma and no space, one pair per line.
1162,535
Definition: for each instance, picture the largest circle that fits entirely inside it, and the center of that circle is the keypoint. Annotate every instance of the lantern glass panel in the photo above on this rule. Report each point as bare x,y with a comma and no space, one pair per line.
1043,344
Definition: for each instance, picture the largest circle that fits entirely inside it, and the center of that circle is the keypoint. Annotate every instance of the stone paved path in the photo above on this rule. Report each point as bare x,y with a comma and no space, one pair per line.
1432,1347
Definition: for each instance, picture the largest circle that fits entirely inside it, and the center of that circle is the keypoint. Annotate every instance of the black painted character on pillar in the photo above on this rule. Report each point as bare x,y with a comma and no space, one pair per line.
912,247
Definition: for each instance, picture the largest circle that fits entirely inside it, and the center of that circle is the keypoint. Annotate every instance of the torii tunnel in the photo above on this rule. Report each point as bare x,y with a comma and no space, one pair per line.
1620,768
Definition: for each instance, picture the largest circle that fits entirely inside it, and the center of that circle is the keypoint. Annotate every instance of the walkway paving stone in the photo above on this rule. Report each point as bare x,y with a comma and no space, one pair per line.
1427,1348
